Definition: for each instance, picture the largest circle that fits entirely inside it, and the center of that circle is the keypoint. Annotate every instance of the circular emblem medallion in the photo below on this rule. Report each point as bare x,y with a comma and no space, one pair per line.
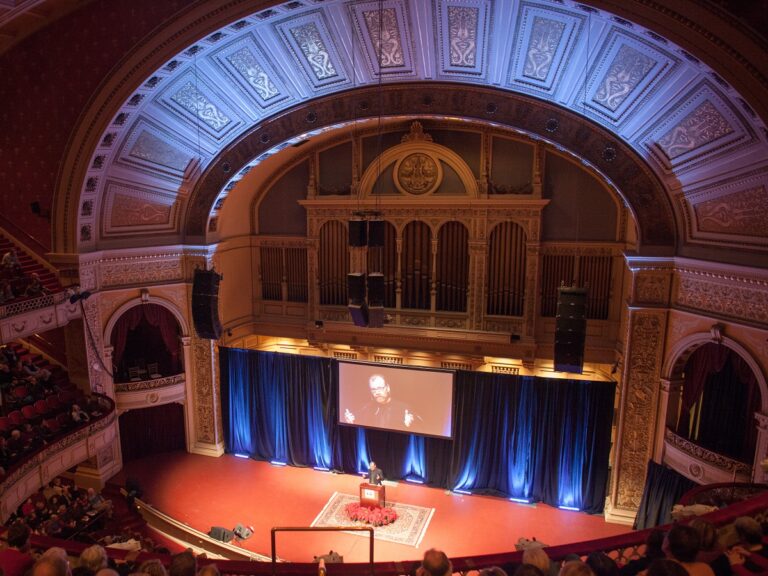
418,173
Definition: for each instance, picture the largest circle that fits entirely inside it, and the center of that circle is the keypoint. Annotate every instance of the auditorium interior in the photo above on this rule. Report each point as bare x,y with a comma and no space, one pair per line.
410,183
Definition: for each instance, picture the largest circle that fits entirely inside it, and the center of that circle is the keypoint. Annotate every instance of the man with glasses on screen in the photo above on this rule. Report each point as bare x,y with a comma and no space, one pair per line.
383,410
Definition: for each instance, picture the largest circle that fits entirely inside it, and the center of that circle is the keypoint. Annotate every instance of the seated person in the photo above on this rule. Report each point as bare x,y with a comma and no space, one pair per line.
35,287
78,415
10,263
98,502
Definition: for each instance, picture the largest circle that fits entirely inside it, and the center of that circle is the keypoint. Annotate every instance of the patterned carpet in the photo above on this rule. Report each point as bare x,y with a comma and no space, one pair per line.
408,529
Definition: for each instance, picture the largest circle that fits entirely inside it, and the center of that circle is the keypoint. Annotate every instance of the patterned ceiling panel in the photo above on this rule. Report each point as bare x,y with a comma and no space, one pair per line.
625,72
463,27
203,108
384,35
733,211
249,66
544,44
132,210
311,46
155,152
697,128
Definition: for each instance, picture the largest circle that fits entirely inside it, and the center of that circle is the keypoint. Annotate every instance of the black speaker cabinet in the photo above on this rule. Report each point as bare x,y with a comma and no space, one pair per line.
221,534
359,314
375,289
356,287
375,233
358,233
205,304
570,329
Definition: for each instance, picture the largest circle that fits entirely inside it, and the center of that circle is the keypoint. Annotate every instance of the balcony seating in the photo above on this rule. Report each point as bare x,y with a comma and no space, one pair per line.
153,371
16,418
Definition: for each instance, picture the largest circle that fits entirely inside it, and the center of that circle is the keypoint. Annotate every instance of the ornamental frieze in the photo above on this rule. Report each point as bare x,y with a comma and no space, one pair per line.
738,302
700,453
140,272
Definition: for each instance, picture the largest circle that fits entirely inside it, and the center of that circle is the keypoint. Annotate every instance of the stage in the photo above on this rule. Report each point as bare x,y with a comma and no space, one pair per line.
203,492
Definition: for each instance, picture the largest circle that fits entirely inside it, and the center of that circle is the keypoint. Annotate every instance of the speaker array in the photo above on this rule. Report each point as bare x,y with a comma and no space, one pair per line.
570,329
366,291
205,304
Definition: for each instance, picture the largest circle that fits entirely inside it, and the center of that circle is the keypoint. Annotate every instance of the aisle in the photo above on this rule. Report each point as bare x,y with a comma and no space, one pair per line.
204,492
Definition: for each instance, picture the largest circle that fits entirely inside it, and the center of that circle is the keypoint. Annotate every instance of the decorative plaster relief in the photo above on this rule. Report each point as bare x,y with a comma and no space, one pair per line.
462,32
137,272
253,73
545,37
740,213
702,126
732,301
628,68
384,32
205,411
152,148
131,211
644,359
652,289
201,106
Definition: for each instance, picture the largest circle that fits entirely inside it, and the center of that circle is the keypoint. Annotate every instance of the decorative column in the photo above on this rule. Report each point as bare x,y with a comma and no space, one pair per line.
669,402
640,392
760,474
202,409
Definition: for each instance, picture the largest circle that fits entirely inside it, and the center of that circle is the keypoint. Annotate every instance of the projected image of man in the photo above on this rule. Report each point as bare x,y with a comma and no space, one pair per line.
383,409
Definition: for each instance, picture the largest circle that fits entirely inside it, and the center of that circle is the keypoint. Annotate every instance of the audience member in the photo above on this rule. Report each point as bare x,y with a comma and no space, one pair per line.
52,565
183,564
576,568
435,563
92,559
539,558
209,570
602,564
35,288
492,571
684,545
15,560
78,415
653,551
153,568
664,567
529,570
750,535
710,551
10,263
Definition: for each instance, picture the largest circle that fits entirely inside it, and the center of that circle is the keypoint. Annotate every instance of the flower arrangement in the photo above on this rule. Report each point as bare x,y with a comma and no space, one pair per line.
374,515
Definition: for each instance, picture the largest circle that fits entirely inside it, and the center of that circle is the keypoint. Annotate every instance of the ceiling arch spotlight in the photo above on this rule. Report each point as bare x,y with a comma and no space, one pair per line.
552,125
311,117
609,153
265,138
491,108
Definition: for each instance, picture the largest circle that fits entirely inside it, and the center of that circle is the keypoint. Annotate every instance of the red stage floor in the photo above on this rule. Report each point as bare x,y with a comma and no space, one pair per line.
225,491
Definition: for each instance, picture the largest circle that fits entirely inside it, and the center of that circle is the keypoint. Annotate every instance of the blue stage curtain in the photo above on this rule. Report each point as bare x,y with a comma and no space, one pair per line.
540,439
663,489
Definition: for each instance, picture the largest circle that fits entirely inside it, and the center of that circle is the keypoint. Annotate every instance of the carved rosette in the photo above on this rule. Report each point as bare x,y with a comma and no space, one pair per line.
639,400
205,404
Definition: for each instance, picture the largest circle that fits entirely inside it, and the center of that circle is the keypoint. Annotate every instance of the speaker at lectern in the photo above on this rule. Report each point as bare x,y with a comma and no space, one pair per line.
372,495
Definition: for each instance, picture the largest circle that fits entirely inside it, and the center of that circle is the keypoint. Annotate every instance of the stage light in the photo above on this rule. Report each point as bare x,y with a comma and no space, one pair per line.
521,500
414,481
322,469
242,456
458,491
276,463
571,508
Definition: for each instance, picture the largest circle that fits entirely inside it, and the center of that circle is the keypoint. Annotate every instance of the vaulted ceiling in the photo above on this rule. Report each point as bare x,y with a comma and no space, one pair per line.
203,102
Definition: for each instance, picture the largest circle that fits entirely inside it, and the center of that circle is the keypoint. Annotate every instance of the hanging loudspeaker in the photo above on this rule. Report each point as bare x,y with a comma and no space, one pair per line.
570,329
205,304
358,233
375,300
375,233
356,287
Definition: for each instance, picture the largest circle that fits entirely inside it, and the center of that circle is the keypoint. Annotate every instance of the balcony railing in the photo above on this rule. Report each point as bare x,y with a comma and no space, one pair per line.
702,465
32,315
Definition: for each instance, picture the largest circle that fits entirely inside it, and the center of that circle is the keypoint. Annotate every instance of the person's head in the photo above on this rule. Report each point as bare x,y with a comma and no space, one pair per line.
52,565
183,564
683,543
494,571
435,563
372,466
707,533
654,544
602,564
576,568
107,572
526,569
209,570
748,530
664,567
536,556
93,558
18,536
379,389
153,568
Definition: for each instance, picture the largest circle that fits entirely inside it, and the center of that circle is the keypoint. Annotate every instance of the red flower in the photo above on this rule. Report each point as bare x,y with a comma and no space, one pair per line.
375,515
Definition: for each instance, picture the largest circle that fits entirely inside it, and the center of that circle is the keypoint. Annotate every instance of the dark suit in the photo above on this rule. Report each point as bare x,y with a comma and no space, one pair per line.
375,476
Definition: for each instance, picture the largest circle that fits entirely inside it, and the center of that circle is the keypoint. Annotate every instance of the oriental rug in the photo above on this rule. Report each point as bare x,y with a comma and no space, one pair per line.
409,528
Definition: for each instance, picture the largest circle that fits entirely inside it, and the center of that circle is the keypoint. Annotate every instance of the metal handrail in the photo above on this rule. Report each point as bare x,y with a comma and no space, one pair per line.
275,530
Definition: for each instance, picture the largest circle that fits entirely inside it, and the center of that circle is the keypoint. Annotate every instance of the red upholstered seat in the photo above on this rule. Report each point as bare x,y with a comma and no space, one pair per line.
41,407
5,424
16,418
29,412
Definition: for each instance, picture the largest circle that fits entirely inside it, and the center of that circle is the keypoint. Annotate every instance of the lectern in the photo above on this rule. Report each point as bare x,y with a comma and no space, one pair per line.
372,495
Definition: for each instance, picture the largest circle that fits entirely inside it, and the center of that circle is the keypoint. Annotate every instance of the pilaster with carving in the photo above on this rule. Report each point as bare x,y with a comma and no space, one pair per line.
760,468
669,401
635,441
203,403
